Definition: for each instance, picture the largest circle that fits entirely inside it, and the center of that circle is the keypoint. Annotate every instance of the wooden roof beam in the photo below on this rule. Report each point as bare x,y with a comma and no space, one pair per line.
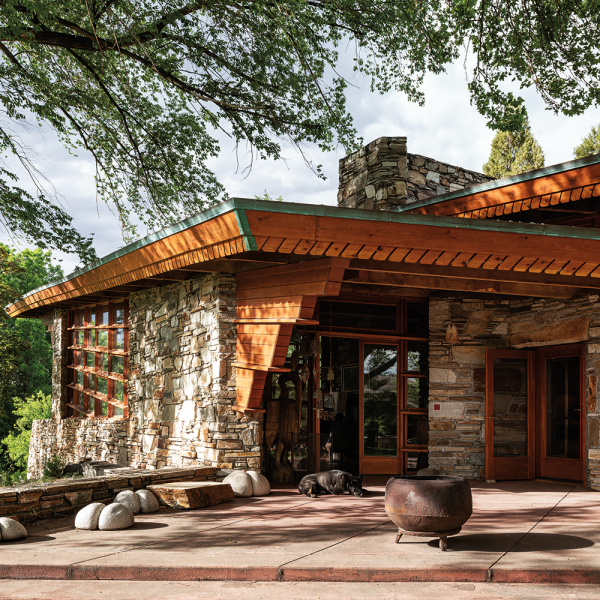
370,278
537,279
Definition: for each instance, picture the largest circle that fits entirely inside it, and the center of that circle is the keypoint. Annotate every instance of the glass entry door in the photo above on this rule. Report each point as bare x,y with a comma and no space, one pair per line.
561,404
509,431
380,429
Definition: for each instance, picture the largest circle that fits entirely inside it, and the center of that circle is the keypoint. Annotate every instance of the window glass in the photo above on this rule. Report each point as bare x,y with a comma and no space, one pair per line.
417,392
81,399
103,364
80,357
80,337
104,409
417,356
103,338
119,339
104,314
91,337
119,390
91,382
119,314
417,319
89,359
102,385
92,320
116,364
355,315
79,380
79,317
118,411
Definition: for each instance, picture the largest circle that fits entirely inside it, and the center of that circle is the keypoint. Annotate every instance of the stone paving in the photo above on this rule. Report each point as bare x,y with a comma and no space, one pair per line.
520,532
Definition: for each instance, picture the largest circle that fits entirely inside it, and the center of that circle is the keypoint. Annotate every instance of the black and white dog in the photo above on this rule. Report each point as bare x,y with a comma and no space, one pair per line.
332,482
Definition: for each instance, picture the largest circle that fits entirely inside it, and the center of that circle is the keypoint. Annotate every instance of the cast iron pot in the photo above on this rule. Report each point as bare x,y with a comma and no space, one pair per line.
428,503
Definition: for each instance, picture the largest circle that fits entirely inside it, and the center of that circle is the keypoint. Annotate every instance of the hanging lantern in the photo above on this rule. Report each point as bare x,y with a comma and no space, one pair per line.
305,346
304,373
330,374
294,360
315,346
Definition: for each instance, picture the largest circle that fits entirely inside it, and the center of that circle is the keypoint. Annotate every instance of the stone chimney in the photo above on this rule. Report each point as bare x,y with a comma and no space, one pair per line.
374,177
383,176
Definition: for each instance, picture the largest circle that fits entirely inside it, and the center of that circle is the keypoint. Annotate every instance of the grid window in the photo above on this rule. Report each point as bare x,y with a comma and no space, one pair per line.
98,360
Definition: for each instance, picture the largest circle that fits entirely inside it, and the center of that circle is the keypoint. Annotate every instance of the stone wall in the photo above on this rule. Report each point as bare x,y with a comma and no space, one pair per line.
383,176
181,389
29,503
59,339
457,370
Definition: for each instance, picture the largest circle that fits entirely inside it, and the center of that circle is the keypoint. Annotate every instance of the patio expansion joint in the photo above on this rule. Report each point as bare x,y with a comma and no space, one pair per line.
280,570
69,574
490,571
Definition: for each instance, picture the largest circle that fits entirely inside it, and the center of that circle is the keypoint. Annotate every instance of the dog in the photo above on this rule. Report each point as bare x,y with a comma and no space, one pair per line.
332,482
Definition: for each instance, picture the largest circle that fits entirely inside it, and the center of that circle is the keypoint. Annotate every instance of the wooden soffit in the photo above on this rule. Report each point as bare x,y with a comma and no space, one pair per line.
421,251
551,186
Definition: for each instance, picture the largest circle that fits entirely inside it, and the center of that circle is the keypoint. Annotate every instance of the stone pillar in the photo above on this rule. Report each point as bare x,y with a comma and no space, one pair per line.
374,177
59,363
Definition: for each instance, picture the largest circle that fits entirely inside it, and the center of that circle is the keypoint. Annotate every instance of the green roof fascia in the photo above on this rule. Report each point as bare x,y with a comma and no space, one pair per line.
240,205
505,181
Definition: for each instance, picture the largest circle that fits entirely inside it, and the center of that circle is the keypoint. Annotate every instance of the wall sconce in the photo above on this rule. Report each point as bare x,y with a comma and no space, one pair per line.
451,335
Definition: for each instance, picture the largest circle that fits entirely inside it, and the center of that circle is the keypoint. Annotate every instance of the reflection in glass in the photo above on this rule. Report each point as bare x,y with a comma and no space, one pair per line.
79,380
103,338
417,430
89,359
119,390
510,407
104,313
80,338
119,339
102,385
92,317
354,315
380,400
116,364
417,323
415,461
119,314
104,409
417,355
563,405
417,392
103,362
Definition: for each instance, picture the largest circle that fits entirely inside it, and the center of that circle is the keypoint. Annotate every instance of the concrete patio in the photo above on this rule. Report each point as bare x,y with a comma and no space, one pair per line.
520,532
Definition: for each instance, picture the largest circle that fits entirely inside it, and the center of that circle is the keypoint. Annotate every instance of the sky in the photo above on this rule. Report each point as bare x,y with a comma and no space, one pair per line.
446,128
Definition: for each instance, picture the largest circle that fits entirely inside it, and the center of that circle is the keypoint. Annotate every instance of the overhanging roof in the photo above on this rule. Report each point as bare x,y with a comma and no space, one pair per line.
551,186
385,249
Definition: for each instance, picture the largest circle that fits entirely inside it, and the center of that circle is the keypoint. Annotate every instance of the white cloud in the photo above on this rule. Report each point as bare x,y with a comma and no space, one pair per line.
446,128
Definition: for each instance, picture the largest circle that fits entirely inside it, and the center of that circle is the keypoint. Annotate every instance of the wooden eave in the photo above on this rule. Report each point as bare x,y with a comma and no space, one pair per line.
418,251
554,186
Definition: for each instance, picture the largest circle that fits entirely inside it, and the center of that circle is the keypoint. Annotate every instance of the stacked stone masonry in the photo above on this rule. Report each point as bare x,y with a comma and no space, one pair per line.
181,388
29,503
383,176
457,371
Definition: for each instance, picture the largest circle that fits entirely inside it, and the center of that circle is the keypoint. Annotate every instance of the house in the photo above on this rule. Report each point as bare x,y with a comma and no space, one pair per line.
434,318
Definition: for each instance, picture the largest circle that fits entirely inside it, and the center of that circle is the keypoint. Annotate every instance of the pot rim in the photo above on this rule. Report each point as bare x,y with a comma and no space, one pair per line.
430,478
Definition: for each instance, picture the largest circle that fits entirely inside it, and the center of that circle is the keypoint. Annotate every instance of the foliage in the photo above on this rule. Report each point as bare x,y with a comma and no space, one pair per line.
38,406
54,467
11,478
266,196
514,153
25,350
143,84
590,144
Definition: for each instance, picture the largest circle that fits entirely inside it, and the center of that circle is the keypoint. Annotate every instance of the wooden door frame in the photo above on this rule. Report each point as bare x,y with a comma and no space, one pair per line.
551,352
490,355
374,461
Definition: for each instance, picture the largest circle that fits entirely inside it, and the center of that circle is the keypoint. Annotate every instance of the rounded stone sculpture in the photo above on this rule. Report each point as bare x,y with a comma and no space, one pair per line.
260,484
241,484
115,516
148,501
11,530
88,516
129,499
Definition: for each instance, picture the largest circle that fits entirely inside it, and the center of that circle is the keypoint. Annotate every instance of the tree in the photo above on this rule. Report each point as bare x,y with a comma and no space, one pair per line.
514,153
25,350
590,144
37,406
143,84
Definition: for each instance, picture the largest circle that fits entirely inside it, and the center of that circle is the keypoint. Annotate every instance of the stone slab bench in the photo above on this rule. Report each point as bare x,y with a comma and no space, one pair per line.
28,503
192,494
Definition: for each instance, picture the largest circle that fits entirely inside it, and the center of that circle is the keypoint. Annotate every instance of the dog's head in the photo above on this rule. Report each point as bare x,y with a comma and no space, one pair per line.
355,486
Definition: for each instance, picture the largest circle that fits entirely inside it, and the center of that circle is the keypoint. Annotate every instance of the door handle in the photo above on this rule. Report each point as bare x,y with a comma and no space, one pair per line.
492,418
578,409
